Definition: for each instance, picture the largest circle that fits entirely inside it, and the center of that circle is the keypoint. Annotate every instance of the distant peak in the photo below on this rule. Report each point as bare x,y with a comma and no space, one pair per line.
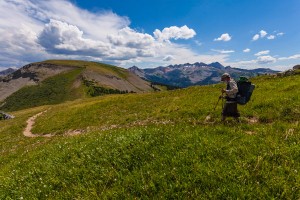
133,67
216,65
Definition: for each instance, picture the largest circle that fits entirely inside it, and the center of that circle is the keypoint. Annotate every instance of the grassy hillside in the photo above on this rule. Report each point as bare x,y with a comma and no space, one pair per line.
157,146
75,84
53,90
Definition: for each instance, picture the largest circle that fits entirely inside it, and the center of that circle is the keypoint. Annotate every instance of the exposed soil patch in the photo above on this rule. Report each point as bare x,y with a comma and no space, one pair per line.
252,120
73,132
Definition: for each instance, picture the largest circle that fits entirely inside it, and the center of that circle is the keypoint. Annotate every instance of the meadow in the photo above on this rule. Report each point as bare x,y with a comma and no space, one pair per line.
157,146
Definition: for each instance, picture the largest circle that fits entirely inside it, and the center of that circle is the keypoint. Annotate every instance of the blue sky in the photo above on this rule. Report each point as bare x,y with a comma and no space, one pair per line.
240,33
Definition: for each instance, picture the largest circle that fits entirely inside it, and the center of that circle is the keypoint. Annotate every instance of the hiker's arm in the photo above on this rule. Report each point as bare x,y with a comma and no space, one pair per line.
233,90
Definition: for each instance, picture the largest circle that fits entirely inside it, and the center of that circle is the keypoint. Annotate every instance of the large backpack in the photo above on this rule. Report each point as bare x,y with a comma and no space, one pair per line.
245,90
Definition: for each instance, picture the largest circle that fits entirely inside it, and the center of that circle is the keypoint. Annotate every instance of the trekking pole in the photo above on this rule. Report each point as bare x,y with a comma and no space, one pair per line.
208,116
217,103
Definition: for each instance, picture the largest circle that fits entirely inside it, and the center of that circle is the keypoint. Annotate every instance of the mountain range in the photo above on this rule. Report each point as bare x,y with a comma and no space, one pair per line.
199,73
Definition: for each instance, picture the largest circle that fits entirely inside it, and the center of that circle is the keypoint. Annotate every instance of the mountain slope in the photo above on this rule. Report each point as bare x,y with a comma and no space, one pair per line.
55,81
157,146
184,75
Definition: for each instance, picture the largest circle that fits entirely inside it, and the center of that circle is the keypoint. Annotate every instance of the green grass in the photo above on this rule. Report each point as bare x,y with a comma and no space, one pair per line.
157,146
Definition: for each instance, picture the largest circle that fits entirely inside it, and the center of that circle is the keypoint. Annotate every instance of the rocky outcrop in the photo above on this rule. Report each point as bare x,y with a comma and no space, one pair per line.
296,67
4,116
289,72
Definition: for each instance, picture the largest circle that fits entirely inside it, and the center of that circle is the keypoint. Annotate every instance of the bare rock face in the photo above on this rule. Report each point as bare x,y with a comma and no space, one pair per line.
30,74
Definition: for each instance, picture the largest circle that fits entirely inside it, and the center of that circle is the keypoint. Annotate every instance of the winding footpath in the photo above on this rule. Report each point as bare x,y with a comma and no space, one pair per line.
30,122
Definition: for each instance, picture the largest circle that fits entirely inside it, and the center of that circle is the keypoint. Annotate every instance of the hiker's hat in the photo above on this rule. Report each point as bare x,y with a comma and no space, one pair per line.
225,75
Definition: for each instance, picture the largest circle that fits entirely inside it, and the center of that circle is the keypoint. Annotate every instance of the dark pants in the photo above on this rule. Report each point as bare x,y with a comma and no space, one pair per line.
230,110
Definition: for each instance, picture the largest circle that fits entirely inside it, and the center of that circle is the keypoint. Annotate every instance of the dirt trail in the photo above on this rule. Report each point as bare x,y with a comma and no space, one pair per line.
30,122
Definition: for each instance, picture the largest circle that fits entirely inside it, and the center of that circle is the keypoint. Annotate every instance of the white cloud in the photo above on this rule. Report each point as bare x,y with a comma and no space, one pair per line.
21,29
262,53
271,37
265,59
132,39
95,25
63,38
224,37
247,50
280,34
223,51
253,63
36,30
255,37
174,32
263,33
296,56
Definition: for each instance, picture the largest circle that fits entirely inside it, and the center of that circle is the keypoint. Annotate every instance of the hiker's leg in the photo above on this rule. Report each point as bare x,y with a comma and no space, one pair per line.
224,112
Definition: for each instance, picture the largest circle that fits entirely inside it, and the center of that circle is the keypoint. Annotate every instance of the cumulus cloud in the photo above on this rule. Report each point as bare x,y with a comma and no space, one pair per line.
60,37
224,37
265,59
223,51
174,32
132,39
95,25
262,53
246,50
255,37
263,33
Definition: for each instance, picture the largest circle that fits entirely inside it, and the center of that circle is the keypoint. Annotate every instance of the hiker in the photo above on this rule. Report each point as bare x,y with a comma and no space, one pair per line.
230,107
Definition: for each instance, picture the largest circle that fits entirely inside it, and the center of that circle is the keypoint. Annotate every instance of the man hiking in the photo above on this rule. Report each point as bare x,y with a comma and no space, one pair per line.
230,107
